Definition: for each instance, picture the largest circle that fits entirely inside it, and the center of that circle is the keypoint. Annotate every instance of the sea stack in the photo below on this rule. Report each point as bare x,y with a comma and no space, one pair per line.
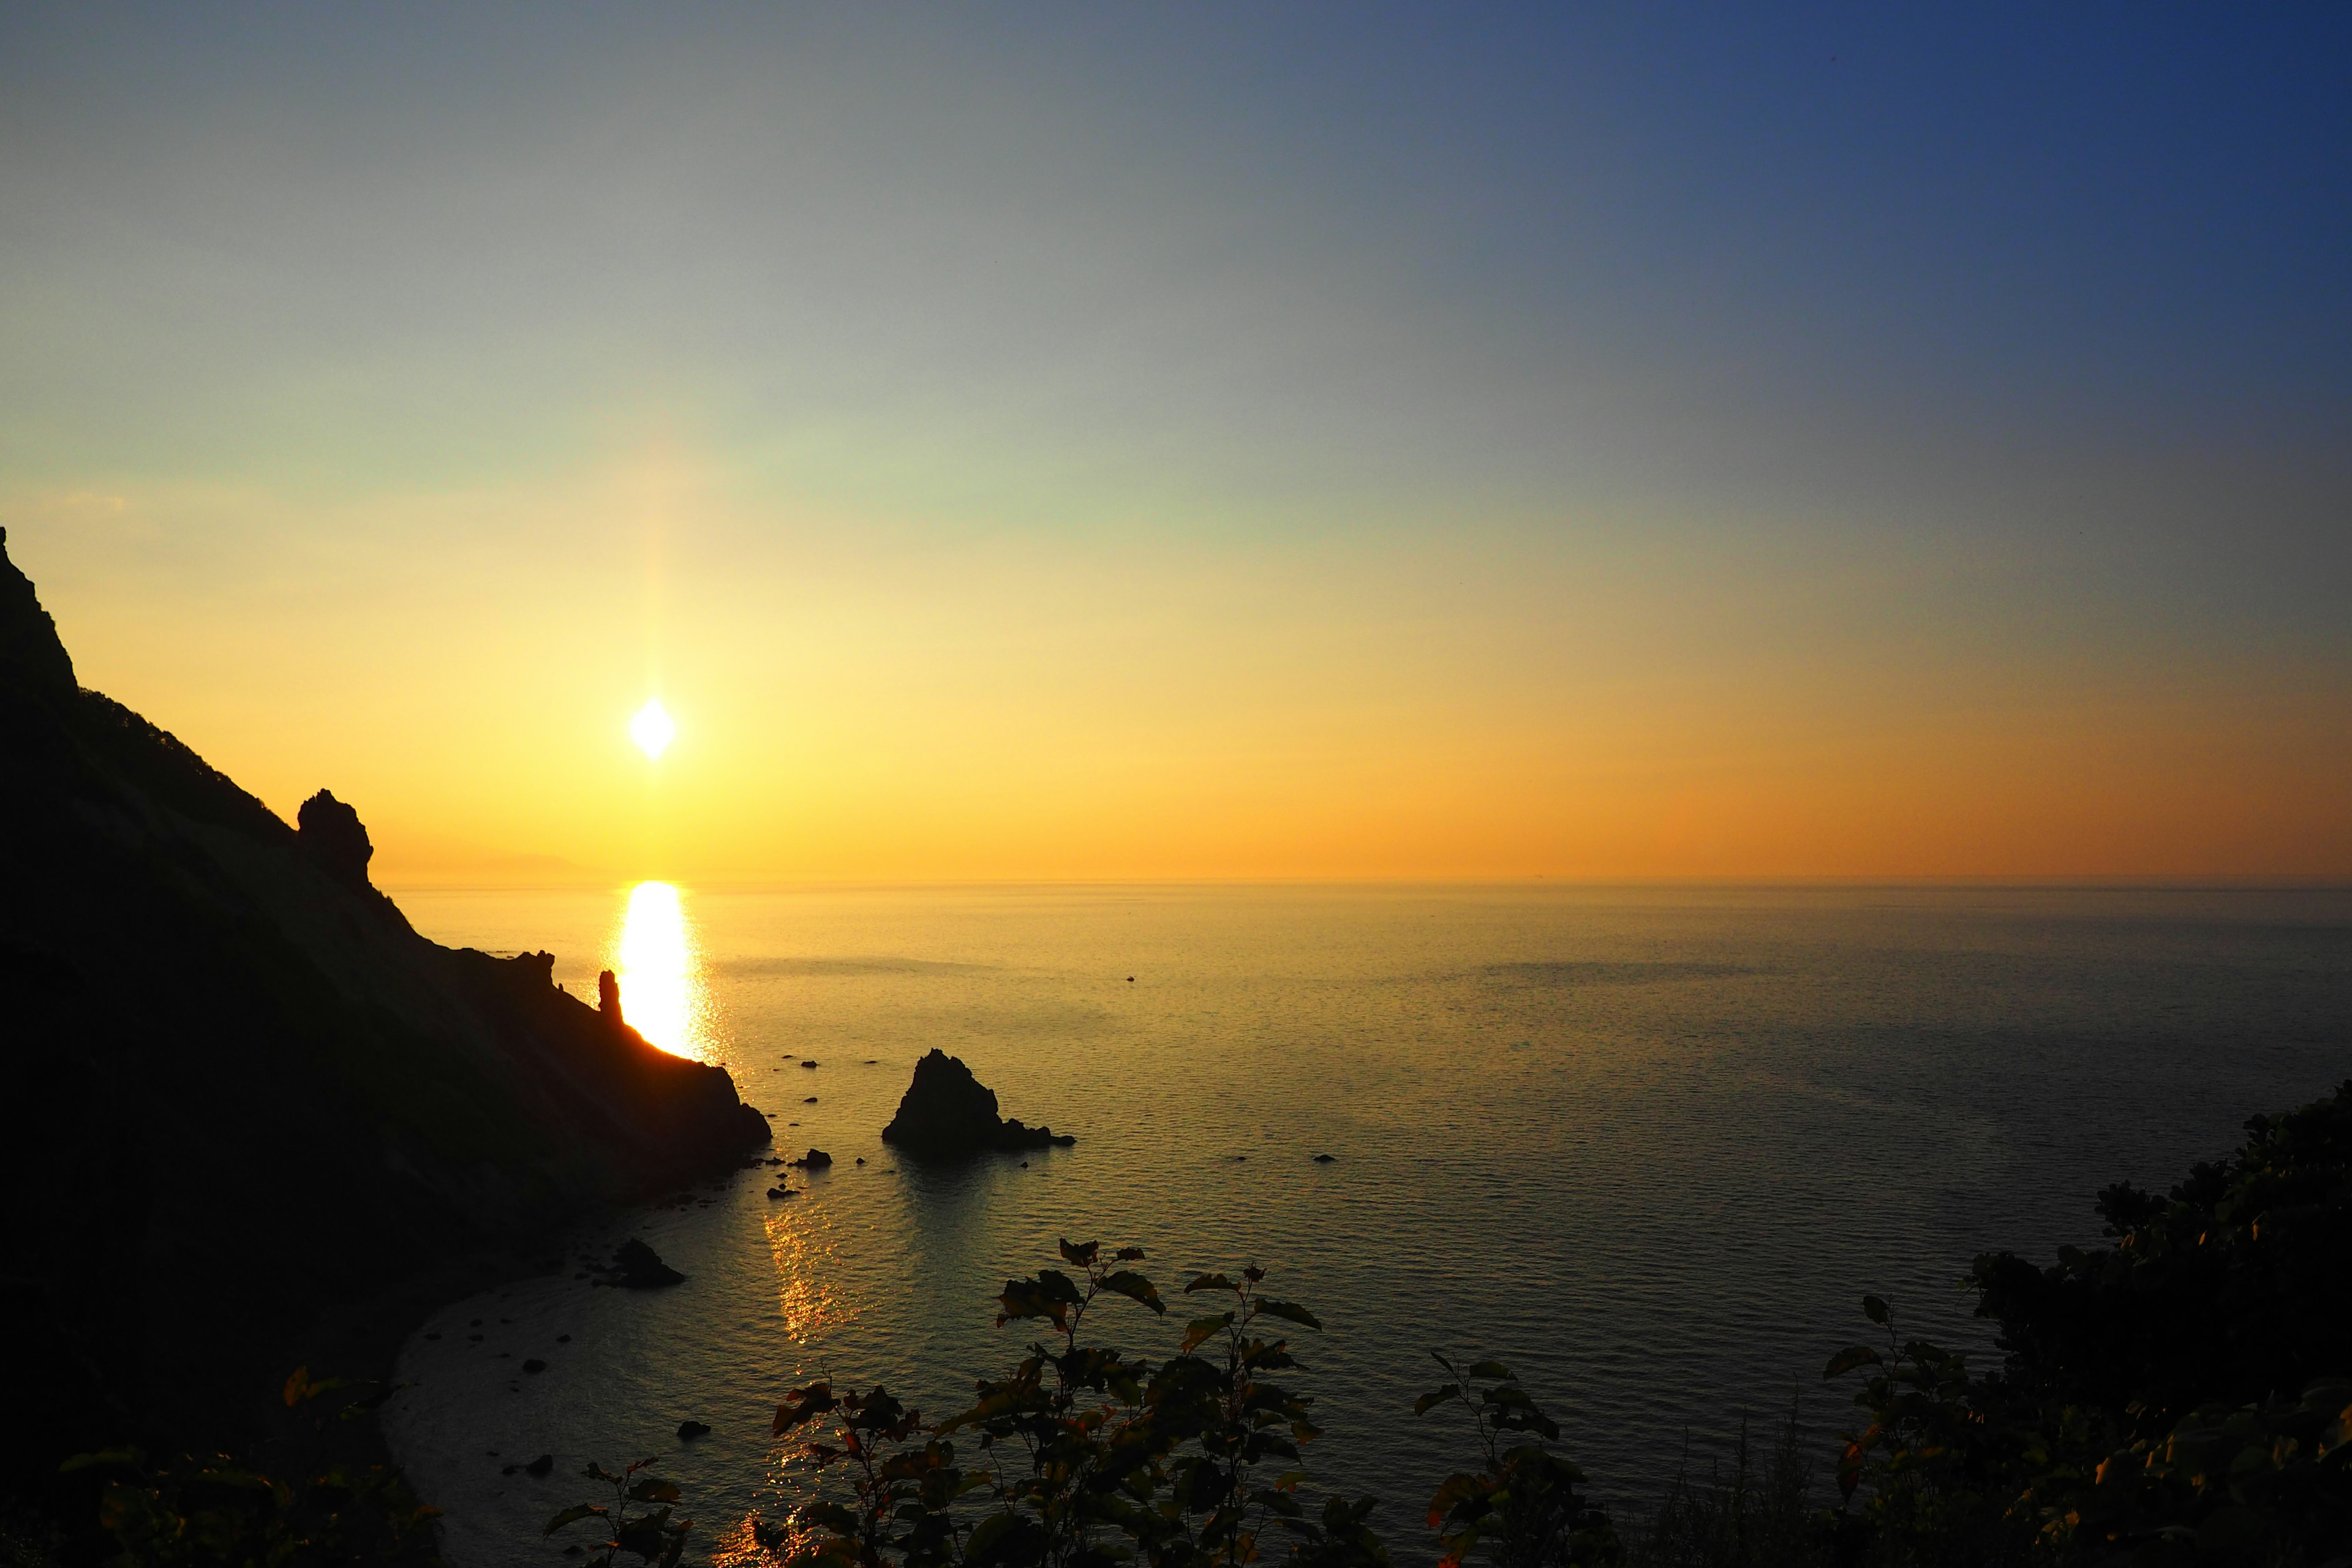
947,1114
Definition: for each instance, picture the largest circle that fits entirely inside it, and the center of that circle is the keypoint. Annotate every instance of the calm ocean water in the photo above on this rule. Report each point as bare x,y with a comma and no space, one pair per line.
1649,1146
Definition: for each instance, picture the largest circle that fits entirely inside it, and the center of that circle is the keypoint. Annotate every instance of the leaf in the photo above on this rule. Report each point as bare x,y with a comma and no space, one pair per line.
1082,1253
802,1405
1050,1295
1451,1493
1874,1308
243,1480
1435,1397
653,1488
577,1511
1253,1274
1846,1360
831,1516
1129,1255
987,1532
1135,1288
1491,1368
1848,1469
1289,1312
123,1458
299,1387
1209,1282
1199,1329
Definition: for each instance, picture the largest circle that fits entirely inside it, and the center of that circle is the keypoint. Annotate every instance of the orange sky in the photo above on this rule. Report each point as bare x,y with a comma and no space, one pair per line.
895,711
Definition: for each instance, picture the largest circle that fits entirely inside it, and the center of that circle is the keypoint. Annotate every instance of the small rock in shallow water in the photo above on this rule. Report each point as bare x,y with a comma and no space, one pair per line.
563,1339
534,1365
688,1431
640,1268
540,1466
1325,1159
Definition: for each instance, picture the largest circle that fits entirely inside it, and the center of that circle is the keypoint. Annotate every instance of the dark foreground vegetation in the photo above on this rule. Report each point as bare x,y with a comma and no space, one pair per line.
2177,1396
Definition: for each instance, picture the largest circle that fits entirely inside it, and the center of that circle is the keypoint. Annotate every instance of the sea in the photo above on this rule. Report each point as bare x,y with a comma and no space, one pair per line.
1648,1146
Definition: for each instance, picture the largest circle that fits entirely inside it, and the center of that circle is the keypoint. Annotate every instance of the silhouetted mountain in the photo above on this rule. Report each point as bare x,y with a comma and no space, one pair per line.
241,1089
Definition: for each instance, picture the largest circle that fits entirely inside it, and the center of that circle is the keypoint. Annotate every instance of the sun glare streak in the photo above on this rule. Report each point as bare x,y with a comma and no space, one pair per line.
652,729
660,972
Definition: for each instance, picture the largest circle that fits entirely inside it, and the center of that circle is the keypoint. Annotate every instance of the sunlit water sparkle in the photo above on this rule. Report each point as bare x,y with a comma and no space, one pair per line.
1648,1146
659,970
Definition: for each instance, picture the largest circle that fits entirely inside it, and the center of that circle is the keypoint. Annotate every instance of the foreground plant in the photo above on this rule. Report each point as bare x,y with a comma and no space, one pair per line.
1523,1506
217,1509
638,1520
1082,1454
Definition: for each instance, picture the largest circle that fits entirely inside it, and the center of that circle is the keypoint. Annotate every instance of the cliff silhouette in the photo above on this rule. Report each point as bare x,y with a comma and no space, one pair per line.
243,1092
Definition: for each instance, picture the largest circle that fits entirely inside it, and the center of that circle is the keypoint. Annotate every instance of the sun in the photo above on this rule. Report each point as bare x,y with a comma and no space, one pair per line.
652,729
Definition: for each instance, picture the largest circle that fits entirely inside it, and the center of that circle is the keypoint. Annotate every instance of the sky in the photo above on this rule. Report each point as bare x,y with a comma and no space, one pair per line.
1219,441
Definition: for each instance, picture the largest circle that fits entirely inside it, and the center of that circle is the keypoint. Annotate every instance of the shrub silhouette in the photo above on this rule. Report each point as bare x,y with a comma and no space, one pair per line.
2180,1396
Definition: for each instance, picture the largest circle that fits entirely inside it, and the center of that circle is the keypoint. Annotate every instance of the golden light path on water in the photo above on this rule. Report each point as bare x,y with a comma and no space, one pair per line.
801,1242
658,963
657,960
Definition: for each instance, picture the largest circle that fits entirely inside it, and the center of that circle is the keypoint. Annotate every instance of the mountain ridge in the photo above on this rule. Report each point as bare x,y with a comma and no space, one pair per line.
244,1090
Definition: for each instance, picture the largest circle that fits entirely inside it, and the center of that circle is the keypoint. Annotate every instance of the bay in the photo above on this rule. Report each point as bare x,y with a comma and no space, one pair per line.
1648,1145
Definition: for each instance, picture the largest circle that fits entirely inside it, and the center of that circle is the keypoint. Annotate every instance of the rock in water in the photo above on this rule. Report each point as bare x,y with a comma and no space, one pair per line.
947,1113
641,1268
608,995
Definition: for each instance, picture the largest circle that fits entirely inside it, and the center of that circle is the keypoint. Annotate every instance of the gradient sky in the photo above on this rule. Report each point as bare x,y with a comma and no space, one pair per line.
1634,441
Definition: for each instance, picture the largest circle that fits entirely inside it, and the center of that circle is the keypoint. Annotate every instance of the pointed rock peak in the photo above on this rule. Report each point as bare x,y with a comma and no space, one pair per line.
331,832
31,656
608,995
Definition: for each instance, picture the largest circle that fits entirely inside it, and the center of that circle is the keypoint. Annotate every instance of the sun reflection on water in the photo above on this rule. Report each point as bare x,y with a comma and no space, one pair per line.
806,1266
658,963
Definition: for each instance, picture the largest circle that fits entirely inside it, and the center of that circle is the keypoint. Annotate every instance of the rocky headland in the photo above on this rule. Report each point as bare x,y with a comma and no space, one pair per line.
948,1114
245,1096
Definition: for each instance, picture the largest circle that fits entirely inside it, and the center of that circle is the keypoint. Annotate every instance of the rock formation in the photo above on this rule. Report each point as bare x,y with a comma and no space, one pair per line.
639,1267
330,833
947,1113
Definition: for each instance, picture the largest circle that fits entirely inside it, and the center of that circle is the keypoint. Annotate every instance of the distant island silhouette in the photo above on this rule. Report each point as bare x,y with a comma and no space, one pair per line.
249,1104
